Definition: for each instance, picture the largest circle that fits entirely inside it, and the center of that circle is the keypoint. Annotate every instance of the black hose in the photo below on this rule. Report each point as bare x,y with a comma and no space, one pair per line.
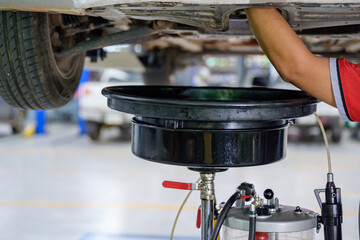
252,227
223,214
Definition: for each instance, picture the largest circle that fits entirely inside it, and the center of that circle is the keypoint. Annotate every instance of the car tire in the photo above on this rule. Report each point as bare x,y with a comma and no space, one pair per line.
17,125
336,133
159,65
15,130
125,132
93,130
31,77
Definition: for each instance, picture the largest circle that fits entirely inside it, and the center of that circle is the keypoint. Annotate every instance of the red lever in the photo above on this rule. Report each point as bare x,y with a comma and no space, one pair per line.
246,196
177,185
198,218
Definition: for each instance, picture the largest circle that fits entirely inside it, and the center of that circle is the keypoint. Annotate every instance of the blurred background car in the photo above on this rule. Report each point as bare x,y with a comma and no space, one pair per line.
257,71
92,104
329,117
15,117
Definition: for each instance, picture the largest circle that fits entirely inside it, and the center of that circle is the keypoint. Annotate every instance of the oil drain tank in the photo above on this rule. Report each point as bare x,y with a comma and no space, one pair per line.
210,129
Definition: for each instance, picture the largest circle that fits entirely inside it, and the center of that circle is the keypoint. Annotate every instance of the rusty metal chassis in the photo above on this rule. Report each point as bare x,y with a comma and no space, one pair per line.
216,17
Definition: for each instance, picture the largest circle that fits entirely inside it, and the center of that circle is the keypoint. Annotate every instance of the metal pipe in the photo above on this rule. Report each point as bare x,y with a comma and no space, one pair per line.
135,35
207,197
207,217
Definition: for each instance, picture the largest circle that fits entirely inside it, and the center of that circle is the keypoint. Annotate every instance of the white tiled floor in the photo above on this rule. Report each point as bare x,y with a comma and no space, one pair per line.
61,186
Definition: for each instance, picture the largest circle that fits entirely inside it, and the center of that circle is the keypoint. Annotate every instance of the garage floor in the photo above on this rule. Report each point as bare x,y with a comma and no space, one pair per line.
60,186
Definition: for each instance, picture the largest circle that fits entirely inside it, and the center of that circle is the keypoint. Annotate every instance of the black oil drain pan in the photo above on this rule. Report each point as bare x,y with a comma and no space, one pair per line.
207,127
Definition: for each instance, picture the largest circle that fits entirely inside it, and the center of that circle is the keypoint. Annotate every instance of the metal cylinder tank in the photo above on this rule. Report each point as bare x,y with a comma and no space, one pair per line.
287,223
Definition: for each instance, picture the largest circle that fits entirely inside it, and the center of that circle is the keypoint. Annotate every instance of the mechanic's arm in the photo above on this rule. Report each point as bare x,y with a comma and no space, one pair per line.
294,62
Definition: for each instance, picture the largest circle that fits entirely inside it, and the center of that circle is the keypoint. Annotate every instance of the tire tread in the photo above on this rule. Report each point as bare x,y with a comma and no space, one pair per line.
27,80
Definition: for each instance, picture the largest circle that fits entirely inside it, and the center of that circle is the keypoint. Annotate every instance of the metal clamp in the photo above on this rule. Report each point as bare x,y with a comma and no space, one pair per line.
317,195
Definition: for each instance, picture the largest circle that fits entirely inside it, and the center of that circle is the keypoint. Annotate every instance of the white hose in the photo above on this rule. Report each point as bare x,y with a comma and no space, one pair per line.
325,141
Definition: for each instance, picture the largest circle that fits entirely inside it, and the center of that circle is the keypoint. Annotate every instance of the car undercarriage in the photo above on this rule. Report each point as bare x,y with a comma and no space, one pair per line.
327,28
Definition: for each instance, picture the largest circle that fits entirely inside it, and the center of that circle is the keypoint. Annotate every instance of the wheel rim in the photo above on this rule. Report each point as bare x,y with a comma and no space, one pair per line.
66,66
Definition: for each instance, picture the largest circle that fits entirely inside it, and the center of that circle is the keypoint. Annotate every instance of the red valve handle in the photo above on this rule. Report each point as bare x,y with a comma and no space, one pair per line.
198,218
246,196
177,185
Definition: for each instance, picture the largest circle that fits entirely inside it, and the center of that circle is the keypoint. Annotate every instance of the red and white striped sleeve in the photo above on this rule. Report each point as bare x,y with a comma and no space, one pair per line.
345,81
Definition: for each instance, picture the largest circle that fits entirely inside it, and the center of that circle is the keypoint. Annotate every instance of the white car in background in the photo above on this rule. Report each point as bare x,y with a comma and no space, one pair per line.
43,43
329,117
93,105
